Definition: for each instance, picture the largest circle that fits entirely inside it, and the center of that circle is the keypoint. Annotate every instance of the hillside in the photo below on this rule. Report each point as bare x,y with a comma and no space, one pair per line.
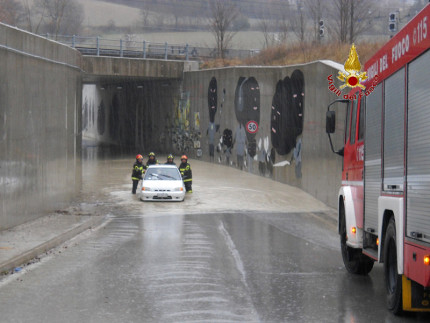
125,17
123,13
102,13
283,55
250,9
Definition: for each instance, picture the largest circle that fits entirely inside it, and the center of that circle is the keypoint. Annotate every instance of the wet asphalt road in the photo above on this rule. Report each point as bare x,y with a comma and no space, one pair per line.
229,253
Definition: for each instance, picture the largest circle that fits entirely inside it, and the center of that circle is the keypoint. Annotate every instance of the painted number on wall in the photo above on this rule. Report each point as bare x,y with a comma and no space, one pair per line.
252,127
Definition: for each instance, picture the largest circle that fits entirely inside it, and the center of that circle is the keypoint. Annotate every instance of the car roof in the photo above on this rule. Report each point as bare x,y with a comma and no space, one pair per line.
162,166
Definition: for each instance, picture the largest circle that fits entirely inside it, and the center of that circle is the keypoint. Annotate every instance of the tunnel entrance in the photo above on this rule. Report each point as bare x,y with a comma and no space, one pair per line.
129,114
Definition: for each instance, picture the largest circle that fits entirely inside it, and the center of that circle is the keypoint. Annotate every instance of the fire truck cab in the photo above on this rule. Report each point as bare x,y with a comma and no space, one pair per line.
384,200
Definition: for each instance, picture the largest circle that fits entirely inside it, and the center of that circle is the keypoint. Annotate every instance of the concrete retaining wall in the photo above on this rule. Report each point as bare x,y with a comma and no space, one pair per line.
267,102
276,116
40,122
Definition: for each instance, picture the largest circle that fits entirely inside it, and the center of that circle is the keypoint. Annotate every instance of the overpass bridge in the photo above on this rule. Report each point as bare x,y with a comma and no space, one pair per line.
103,68
133,48
127,95
54,101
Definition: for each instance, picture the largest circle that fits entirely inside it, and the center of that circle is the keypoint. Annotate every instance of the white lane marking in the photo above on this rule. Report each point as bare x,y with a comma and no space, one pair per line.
231,246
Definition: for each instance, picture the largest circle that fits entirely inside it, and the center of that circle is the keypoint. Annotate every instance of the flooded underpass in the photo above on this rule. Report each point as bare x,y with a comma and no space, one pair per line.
240,248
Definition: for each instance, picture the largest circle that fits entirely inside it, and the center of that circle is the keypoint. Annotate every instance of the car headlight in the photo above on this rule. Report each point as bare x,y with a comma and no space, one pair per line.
146,188
179,189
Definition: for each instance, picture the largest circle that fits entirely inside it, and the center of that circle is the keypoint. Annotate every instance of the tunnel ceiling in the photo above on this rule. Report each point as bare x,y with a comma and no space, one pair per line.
109,79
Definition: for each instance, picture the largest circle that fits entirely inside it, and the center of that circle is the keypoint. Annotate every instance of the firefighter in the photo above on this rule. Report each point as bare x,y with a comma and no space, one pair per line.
151,159
138,171
170,160
187,175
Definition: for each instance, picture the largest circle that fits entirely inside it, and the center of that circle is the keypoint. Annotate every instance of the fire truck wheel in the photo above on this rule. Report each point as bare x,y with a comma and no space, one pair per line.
355,262
393,281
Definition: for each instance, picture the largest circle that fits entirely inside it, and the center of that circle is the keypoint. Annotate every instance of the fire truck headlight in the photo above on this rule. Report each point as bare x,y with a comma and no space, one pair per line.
353,230
427,260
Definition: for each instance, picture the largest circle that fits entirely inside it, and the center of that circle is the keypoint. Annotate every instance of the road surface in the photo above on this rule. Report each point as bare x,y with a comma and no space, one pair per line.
240,248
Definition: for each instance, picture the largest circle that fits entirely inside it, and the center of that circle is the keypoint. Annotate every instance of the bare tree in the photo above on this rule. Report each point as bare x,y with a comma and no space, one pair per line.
223,13
283,24
73,18
266,27
33,17
52,12
159,20
341,8
55,16
275,24
144,15
10,12
316,12
298,22
180,9
351,18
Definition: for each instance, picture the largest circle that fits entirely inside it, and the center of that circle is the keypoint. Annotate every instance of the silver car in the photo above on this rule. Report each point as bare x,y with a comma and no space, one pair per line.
162,183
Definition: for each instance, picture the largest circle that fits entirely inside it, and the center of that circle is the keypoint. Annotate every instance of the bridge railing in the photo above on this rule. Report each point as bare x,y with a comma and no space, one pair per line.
129,47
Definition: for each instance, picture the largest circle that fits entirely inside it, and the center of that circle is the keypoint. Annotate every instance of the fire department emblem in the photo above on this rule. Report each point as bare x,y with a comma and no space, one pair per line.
352,66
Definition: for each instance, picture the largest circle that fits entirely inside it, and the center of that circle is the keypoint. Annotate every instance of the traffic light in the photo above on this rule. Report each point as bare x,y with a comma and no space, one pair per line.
392,21
321,30
392,26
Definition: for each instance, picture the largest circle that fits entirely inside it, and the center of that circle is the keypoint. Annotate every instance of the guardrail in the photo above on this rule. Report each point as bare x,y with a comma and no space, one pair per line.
98,46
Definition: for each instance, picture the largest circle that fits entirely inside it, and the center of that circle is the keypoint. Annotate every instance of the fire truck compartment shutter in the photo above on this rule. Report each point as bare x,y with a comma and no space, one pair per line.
372,158
418,149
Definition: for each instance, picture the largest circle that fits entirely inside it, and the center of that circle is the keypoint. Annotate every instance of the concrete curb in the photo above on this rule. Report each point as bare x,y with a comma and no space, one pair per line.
23,258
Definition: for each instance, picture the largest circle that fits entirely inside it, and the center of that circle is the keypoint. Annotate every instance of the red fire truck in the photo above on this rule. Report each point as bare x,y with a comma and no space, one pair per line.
384,200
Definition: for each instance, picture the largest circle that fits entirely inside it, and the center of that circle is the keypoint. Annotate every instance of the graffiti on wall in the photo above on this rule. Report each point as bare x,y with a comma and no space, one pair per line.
287,112
247,109
182,112
212,107
225,146
197,120
252,141
184,139
220,143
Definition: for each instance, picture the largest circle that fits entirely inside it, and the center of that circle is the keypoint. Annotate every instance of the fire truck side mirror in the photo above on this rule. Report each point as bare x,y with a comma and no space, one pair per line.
330,122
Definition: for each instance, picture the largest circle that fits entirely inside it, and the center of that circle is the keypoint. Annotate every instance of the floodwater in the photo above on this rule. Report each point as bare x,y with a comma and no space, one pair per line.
240,248
217,189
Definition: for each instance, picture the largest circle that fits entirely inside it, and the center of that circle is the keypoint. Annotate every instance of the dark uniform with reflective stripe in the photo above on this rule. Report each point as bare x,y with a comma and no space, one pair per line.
151,159
170,160
137,174
187,175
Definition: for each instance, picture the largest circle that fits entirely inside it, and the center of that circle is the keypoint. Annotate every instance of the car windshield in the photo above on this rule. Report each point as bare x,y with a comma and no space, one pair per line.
162,173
